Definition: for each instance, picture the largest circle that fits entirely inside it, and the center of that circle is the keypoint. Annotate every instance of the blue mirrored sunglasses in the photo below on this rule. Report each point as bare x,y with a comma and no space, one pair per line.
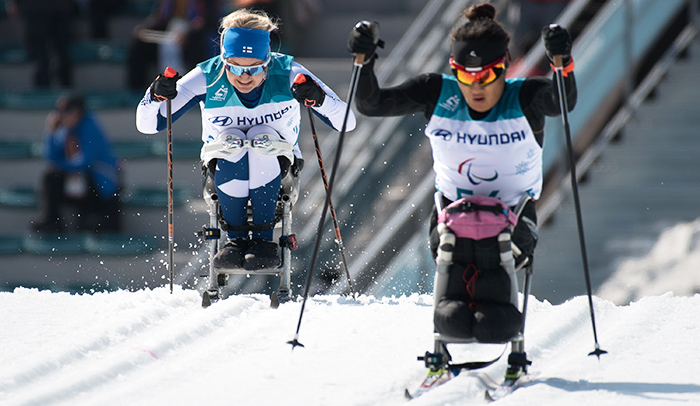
250,70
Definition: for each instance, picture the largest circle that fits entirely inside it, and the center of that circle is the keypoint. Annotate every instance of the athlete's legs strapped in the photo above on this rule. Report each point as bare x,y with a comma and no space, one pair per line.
249,175
478,290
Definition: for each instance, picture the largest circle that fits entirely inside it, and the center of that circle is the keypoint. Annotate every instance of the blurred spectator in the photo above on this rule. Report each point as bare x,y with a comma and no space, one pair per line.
82,171
99,12
273,8
47,26
292,15
180,34
534,14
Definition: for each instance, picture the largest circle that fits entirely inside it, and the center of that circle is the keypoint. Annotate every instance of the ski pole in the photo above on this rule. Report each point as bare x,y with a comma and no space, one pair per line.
563,105
357,66
339,239
170,73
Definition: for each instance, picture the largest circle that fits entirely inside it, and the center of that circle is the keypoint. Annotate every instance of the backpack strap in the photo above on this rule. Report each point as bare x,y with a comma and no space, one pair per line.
470,207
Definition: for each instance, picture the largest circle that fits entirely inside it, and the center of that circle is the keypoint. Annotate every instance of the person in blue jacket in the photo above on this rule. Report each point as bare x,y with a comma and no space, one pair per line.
81,170
250,99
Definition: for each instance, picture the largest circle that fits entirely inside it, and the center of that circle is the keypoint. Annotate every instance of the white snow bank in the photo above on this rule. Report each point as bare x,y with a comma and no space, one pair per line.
671,266
153,348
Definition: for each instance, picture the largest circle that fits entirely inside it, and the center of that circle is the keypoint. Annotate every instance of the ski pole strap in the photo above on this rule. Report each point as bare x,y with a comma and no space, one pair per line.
565,69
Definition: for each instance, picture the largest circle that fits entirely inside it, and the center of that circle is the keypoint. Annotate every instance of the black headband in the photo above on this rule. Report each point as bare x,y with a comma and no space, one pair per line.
477,52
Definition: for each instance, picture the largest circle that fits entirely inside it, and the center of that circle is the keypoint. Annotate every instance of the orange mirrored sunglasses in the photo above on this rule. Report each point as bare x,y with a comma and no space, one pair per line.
485,75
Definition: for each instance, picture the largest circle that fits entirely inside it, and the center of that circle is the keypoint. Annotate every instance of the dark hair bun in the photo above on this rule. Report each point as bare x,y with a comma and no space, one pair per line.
483,10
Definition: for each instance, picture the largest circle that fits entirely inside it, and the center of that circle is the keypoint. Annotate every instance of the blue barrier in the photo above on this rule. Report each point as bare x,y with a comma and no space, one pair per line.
24,197
602,65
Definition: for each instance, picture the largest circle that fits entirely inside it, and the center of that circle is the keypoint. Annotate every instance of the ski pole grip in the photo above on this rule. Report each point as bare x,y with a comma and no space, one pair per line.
557,61
169,72
359,59
300,78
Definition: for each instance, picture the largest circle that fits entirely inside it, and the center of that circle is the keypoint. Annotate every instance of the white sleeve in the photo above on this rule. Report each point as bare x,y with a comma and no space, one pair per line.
147,114
333,107
151,115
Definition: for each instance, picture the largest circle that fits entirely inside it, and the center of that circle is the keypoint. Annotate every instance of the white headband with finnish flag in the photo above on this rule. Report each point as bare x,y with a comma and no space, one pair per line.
245,43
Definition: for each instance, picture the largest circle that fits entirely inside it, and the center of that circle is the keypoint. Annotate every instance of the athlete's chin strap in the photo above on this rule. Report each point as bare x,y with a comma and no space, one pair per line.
228,145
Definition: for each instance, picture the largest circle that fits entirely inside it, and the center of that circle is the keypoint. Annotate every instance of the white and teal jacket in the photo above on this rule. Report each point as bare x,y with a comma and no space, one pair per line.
222,109
495,153
496,156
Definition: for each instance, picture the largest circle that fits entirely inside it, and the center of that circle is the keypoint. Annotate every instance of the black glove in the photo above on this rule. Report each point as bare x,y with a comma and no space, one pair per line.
364,39
284,165
165,86
557,41
308,92
297,166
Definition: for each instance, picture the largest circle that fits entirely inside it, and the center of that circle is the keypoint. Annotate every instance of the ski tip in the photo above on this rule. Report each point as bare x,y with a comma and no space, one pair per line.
597,352
407,394
487,396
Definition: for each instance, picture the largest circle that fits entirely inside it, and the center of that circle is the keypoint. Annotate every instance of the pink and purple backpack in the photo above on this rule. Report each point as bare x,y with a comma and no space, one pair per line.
477,217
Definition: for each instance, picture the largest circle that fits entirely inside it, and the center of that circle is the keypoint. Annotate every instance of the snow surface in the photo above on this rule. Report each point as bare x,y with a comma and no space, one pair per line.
155,348
151,347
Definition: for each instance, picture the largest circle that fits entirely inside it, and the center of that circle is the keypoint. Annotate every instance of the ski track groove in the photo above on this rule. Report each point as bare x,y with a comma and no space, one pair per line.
166,348
196,325
103,342
125,331
544,340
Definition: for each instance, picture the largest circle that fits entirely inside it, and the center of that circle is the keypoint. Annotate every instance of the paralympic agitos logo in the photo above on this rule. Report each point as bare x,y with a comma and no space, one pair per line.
466,167
474,179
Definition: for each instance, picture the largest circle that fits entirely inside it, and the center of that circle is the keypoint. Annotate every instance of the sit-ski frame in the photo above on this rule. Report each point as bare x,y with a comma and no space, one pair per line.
217,277
441,358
